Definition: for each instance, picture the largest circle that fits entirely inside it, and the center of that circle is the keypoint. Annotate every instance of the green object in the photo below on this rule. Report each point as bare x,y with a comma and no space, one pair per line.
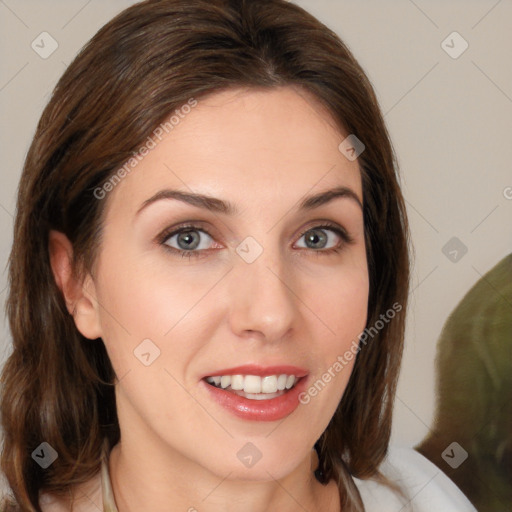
474,392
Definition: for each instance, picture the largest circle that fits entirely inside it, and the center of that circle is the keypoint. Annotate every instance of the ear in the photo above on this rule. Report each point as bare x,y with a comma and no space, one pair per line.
80,297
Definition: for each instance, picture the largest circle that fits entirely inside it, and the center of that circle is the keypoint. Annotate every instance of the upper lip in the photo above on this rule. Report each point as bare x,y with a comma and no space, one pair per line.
262,371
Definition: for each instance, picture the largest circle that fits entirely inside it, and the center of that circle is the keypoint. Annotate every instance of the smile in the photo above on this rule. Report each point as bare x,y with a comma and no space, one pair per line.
254,387
255,393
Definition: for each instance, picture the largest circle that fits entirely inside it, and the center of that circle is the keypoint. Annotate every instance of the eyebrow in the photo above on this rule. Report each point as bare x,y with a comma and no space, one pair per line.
220,206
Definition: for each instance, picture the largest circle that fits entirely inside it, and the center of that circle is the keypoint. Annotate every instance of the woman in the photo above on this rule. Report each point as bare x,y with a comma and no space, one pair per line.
209,277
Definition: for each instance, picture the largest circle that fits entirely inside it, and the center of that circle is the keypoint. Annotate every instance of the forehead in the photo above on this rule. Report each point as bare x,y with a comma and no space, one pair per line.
259,145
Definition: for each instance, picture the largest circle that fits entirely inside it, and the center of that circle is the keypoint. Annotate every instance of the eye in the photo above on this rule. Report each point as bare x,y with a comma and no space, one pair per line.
325,238
192,241
187,240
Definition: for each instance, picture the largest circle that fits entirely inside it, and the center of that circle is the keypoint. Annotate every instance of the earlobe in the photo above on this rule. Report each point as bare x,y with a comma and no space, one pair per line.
80,297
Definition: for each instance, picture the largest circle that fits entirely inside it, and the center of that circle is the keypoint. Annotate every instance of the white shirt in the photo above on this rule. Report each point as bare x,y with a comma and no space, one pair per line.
428,489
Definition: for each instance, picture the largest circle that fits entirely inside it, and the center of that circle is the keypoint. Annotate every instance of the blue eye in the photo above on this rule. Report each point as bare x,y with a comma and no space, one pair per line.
194,241
319,237
188,240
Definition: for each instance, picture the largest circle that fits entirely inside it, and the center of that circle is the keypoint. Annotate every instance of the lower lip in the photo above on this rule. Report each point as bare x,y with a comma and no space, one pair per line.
258,410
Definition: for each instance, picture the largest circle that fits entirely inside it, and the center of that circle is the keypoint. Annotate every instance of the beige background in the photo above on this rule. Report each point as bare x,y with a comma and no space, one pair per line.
450,121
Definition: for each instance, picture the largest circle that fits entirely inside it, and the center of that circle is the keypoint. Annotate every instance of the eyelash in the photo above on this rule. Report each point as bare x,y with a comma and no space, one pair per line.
164,237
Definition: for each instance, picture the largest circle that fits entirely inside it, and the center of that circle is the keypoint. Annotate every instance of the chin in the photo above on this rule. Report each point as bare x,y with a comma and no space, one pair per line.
248,463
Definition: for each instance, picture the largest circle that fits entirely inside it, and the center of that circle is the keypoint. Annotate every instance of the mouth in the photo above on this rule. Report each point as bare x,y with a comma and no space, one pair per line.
255,387
256,393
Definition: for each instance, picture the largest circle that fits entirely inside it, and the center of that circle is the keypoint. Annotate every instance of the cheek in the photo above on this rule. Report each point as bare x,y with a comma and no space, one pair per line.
148,298
341,304
341,299
142,299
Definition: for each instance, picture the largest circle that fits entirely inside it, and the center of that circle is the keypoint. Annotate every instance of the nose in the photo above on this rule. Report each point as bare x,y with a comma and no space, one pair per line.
262,299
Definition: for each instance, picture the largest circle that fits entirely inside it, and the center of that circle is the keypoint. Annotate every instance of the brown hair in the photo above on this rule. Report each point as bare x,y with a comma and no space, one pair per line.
149,60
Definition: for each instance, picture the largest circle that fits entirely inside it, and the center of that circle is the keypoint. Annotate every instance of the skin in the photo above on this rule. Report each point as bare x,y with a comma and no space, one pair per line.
264,151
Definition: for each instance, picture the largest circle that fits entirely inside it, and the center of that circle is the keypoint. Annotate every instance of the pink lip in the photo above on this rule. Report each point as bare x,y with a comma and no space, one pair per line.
273,409
262,371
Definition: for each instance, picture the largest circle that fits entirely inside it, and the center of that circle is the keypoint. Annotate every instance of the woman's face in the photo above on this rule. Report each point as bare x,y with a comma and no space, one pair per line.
266,284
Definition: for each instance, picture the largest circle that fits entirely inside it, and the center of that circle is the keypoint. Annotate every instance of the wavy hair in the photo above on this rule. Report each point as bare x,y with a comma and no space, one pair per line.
148,61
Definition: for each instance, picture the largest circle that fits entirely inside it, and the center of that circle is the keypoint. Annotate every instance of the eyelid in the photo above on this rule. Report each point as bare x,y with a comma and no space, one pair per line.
333,226
184,226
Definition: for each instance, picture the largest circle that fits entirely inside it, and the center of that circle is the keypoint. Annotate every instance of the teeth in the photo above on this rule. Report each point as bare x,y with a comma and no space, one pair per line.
237,382
269,384
290,381
254,384
261,396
